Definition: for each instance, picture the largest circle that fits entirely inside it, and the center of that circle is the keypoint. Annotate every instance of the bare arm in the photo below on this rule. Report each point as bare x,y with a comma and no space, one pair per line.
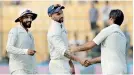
92,61
95,60
84,47
71,56
75,58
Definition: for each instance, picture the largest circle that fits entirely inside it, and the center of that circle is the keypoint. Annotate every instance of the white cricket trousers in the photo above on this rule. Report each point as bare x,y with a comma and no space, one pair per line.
59,67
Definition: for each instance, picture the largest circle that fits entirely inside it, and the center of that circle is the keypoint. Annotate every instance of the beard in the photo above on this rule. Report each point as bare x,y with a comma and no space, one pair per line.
60,20
27,24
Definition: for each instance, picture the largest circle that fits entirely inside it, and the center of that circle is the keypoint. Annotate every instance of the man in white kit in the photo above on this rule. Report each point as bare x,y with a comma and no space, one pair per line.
60,55
113,46
20,46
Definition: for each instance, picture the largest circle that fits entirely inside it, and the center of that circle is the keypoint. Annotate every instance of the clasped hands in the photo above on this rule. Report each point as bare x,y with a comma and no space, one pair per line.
85,62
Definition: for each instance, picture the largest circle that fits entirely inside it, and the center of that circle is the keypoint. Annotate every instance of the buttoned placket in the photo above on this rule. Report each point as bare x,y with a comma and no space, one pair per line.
30,37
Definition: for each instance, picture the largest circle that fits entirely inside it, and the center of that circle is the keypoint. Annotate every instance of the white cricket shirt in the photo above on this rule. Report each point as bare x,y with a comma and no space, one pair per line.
58,44
57,40
19,41
113,50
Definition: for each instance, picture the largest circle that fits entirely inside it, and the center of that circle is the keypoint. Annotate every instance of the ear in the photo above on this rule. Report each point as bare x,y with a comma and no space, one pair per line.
112,19
50,15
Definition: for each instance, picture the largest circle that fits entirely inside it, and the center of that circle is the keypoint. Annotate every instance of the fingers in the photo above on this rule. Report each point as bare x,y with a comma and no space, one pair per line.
31,52
86,63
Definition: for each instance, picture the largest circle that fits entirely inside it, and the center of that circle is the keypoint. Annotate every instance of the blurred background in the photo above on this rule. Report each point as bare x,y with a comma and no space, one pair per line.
83,21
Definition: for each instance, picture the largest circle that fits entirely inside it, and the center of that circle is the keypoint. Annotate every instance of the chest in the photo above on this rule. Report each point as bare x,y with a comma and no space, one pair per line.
25,37
64,34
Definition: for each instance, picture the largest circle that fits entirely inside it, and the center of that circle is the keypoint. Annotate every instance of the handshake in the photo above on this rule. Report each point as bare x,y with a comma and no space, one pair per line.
85,62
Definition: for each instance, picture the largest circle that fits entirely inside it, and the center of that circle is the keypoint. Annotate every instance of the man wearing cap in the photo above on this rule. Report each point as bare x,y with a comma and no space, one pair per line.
60,55
20,46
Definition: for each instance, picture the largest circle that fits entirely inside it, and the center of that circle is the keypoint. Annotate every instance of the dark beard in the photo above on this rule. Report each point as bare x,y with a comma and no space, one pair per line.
60,20
25,25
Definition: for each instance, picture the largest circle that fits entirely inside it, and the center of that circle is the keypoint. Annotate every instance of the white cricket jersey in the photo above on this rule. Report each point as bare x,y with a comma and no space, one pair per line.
113,50
58,44
19,41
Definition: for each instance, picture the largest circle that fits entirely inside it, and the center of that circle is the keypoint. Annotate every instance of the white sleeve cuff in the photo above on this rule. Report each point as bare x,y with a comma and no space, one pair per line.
63,52
95,41
25,51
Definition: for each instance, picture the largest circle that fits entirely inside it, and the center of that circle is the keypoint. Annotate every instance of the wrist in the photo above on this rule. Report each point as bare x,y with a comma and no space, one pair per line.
78,48
92,61
77,59
25,51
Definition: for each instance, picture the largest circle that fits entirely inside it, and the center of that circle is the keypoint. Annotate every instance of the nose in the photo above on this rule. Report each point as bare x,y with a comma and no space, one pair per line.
61,15
29,19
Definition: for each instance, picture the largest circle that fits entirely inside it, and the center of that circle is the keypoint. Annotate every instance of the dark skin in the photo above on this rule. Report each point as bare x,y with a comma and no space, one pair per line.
25,22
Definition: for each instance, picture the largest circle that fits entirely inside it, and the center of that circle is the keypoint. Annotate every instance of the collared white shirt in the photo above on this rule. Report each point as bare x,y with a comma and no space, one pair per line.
113,50
19,41
57,40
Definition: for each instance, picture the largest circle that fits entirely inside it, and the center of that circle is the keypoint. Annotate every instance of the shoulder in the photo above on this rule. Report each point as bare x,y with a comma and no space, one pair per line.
55,29
111,28
118,35
13,30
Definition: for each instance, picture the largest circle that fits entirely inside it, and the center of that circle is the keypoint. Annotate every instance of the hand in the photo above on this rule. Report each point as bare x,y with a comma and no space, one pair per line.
31,52
86,62
72,71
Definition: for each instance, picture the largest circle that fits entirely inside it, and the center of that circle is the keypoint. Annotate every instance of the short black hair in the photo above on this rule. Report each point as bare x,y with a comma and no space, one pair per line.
106,2
117,15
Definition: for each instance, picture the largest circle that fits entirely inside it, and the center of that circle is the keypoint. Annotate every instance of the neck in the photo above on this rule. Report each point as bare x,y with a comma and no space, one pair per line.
24,27
111,23
56,21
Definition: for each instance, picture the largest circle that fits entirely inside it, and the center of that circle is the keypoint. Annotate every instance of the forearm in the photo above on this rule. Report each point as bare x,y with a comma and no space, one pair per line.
87,46
95,60
14,50
71,56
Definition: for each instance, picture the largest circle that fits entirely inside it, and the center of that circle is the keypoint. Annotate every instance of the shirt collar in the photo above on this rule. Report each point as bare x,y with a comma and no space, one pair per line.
22,28
57,23
115,25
